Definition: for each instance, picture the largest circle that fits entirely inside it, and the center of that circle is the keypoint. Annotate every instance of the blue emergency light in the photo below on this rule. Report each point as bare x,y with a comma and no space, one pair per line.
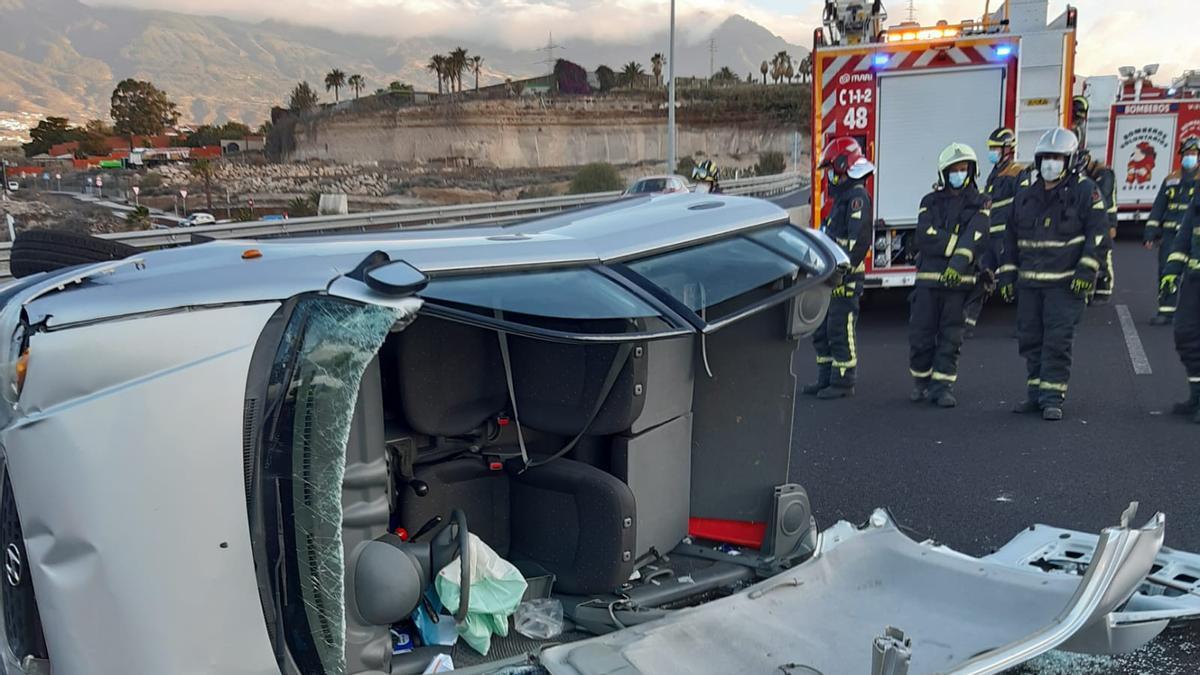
1004,50
882,59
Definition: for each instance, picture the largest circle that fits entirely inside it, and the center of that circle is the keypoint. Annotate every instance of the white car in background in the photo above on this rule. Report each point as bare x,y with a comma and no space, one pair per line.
13,186
197,219
658,185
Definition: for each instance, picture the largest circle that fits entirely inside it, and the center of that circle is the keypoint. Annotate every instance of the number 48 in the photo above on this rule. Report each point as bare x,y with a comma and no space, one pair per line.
856,118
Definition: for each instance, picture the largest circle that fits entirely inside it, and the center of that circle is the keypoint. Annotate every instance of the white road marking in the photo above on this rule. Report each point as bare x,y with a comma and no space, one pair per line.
1133,342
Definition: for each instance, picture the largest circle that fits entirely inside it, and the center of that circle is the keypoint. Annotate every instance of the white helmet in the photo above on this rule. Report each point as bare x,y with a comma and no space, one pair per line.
1058,142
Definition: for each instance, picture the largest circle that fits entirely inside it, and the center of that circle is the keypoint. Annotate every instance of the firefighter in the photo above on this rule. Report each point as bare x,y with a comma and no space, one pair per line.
1106,180
1006,178
849,224
1183,264
951,239
1051,252
707,177
1174,195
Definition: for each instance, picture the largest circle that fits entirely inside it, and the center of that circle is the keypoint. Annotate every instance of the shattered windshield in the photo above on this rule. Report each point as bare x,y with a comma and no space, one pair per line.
338,340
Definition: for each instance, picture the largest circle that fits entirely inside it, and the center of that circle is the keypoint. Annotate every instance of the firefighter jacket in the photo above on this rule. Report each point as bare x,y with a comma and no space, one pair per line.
1185,251
1174,195
1106,180
850,224
952,232
1003,182
1056,234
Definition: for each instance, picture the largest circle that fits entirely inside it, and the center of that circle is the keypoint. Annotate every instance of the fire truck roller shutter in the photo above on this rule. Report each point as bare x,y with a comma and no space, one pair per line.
919,114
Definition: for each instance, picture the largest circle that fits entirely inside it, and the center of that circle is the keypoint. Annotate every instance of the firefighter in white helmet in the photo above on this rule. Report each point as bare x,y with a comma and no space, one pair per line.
1051,252
951,240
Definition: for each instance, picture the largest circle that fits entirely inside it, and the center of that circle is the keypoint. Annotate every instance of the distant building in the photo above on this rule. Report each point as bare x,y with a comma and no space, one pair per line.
247,144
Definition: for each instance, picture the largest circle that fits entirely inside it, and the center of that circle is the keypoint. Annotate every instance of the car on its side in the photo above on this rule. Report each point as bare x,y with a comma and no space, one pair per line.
255,457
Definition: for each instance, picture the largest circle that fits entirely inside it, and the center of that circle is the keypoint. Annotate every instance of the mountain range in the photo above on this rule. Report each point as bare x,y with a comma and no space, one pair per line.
62,57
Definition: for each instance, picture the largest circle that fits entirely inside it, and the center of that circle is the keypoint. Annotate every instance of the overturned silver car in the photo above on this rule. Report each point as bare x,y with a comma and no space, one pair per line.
255,457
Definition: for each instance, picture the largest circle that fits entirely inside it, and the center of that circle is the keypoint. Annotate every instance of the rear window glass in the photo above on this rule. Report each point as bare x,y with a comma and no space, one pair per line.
562,294
654,185
710,274
794,245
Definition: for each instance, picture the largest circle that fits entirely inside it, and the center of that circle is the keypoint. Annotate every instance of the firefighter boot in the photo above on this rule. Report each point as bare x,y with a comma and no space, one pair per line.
920,391
832,393
1052,413
1190,406
823,373
1161,320
945,399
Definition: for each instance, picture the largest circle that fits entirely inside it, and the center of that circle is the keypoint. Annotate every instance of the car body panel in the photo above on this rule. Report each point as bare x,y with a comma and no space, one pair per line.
962,614
152,573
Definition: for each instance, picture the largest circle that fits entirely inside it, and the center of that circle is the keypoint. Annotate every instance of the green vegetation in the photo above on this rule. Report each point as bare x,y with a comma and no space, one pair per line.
303,98
357,83
685,166
537,192
205,170
213,135
607,77
632,73
596,177
141,109
138,218
49,132
769,163
300,207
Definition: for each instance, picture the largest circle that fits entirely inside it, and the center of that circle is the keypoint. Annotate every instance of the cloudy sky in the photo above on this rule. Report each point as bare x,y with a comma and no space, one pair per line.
1112,33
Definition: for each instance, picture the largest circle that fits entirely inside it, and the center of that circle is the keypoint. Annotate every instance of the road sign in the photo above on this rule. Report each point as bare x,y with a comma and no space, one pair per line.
58,176
99,181
250,201
45,176
137,190
183,193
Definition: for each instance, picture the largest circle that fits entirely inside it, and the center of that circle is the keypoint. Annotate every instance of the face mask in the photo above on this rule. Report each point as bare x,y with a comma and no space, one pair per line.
957,179
1052,169
1190,162
994,156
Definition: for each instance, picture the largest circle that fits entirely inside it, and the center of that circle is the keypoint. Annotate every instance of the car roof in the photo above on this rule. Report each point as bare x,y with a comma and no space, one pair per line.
215,272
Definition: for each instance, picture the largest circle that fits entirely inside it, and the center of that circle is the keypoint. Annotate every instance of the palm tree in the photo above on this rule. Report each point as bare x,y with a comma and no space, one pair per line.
437,65
205,170
357,83
806,68
656,63
335,80
632,72
781,62
790,73
476,66
763,69
456,65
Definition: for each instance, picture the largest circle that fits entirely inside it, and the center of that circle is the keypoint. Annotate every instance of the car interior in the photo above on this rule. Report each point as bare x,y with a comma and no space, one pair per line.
625,469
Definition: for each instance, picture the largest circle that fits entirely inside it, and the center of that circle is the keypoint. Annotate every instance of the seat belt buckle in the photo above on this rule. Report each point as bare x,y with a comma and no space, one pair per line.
503,421
493,463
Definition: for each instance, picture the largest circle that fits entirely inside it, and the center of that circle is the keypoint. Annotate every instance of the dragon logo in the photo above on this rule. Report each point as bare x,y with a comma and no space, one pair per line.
1141,164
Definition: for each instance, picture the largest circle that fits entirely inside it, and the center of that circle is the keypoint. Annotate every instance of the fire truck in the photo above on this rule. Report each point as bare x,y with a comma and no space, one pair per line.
906,91
1146,123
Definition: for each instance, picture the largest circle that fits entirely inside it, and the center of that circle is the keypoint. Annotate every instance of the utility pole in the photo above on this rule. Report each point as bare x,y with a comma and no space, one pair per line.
712,59
912,11
671,165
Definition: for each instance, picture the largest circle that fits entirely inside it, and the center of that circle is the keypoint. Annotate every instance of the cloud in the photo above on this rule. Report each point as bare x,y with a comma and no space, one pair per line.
1138,33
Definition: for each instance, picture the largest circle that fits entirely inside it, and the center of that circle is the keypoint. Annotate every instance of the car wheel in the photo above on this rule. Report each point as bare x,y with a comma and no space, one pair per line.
37,251
22,621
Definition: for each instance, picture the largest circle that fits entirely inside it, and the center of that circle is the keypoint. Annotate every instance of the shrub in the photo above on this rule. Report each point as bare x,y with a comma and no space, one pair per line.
596,177
537,192
770,163
685,166
300,207
139,218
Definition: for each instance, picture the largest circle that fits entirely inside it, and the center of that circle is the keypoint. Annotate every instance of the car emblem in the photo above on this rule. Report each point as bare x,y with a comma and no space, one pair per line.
13,565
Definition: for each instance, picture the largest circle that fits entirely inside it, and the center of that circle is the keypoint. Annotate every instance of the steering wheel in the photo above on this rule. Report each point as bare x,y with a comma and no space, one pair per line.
458,520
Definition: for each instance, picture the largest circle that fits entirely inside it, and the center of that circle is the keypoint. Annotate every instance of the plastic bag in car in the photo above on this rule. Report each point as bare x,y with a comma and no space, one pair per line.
496,590
540,619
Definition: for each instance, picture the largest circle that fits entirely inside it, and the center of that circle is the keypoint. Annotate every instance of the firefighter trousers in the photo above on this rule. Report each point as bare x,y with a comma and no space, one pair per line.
975,299
835,343
1187,328
1046,320
936,323
1167,300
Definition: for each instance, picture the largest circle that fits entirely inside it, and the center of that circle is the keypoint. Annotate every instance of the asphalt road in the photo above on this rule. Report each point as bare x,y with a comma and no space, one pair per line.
972,477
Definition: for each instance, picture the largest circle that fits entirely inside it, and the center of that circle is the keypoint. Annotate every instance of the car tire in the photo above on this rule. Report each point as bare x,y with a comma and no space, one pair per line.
37,251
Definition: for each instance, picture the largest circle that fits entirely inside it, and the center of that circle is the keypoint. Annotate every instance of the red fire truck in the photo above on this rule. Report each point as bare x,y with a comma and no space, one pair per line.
1146,125
907,91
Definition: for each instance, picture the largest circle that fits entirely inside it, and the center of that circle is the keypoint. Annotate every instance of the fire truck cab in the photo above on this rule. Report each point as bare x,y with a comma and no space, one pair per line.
905,91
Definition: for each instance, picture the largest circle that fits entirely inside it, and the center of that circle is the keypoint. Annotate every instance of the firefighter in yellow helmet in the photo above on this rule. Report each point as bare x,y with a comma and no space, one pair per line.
951,239
1007,176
